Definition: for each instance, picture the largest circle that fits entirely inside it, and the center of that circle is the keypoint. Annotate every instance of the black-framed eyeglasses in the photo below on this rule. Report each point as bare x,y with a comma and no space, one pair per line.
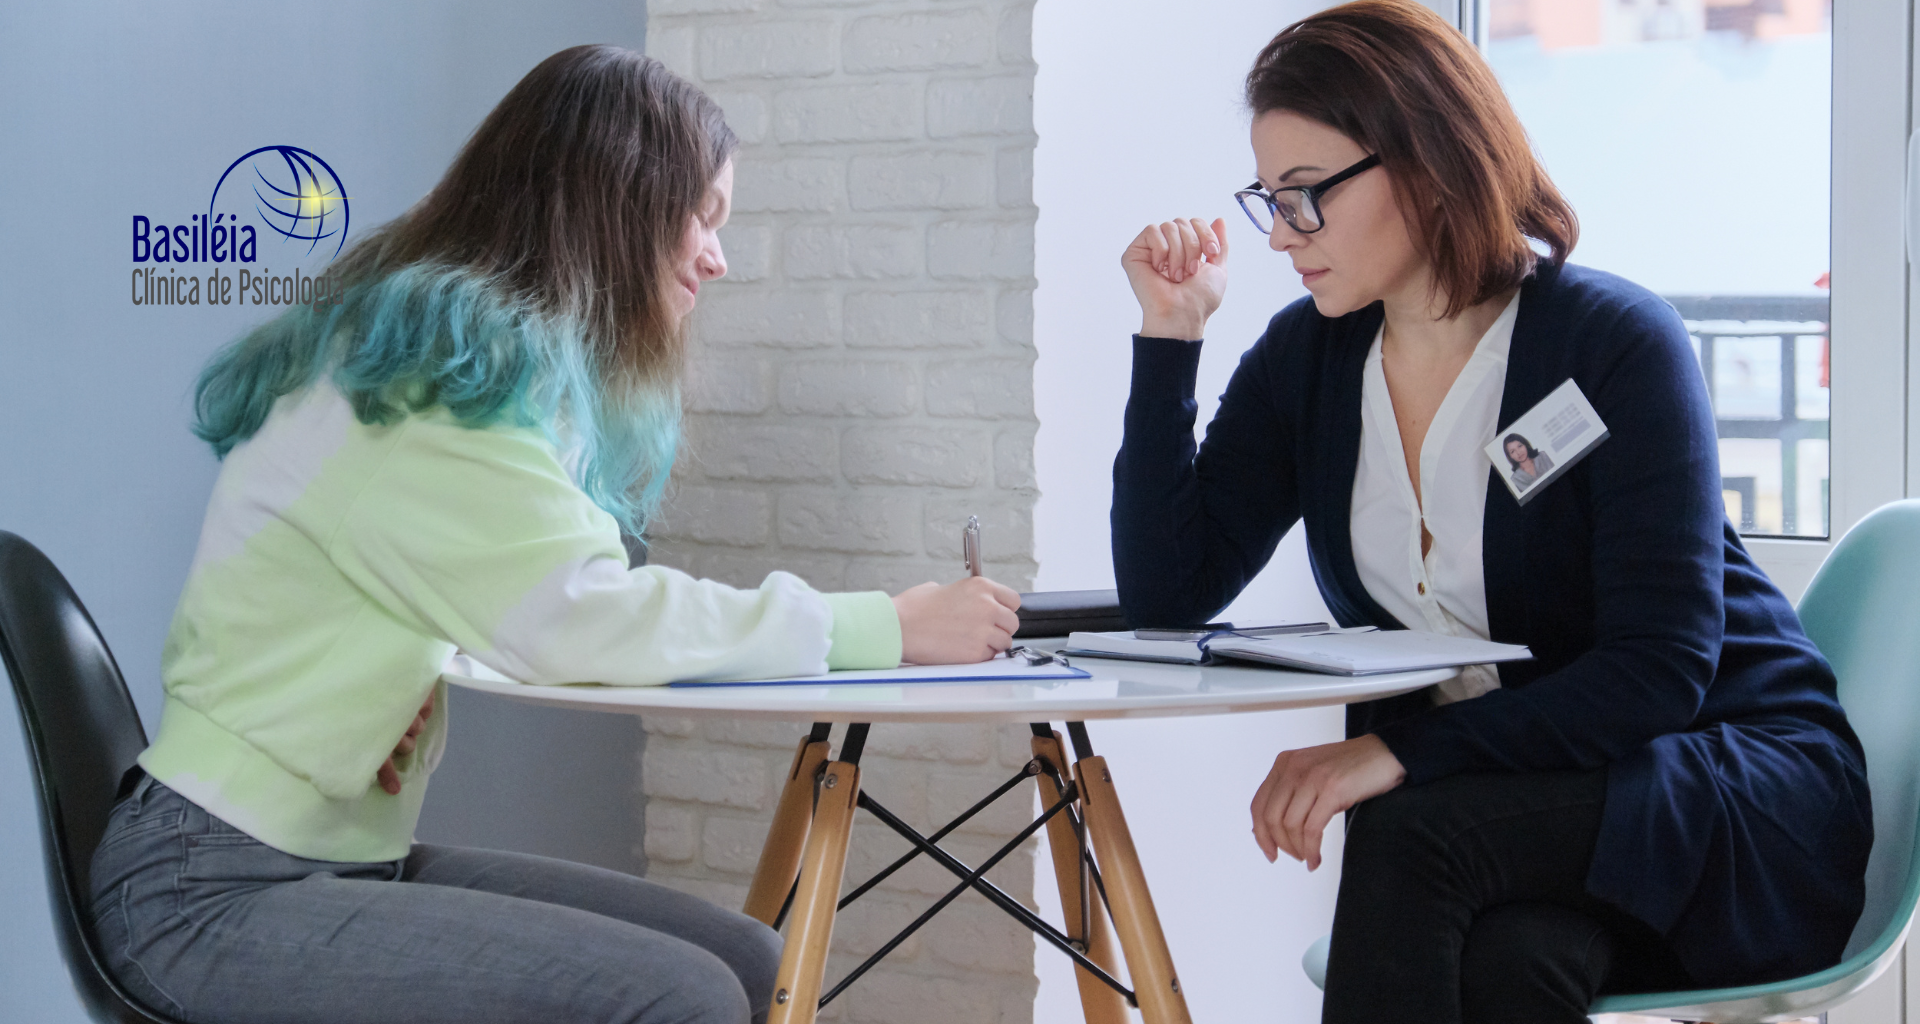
1298,205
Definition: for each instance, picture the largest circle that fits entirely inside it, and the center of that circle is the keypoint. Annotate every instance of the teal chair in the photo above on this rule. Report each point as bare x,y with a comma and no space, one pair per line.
1863,610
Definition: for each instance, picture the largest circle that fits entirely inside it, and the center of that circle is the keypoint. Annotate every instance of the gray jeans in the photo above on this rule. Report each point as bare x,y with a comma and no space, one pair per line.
212,926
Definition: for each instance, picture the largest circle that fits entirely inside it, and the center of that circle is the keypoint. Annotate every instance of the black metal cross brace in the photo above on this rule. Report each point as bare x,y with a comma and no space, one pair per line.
971,878
1032,768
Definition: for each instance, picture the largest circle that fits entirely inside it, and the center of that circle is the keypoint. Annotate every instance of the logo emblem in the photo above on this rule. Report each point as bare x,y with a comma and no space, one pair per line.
297,194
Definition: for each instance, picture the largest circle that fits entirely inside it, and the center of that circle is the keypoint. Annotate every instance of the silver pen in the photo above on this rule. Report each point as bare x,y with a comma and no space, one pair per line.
970,545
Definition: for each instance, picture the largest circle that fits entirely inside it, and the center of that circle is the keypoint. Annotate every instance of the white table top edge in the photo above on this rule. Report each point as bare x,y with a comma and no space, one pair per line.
1246,689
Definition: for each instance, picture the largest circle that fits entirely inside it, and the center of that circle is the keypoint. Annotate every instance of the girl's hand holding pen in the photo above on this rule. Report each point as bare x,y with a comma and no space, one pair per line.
1179,273
957,623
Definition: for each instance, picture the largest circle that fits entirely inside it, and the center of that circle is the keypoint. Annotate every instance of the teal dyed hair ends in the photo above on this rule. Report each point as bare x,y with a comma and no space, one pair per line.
428,334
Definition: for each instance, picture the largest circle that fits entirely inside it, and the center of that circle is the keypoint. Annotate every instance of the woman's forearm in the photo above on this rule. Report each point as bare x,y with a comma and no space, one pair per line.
1191,526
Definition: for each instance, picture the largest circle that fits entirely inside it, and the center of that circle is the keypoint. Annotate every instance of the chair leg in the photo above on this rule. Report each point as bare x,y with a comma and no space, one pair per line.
1155,985
1102,1005
780,857
796,995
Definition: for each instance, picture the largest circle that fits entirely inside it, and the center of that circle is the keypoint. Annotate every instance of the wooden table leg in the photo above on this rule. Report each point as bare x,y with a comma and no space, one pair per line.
780,856
1101,1004
796,994
1155,985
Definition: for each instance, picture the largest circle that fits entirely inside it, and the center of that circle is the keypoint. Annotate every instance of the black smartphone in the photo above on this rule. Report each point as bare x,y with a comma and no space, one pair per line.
1187,633
1200,632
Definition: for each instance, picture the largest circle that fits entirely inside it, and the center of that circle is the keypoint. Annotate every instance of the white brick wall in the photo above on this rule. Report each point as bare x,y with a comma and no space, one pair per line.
861,382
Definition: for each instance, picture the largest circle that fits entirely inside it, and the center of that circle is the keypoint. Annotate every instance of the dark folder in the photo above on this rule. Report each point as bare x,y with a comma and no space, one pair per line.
1059,612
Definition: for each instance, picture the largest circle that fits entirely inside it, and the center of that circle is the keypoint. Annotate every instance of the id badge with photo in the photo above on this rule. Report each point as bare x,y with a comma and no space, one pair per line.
1546,441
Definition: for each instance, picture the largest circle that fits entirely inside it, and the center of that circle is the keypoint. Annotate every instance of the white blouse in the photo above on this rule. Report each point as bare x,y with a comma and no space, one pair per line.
1446,591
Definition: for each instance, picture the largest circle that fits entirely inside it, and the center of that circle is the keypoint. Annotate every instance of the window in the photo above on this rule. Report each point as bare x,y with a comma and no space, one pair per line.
1699,140
1694,141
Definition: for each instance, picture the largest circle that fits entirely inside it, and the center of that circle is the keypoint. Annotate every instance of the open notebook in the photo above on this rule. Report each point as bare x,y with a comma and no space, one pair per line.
1190,649
1355,652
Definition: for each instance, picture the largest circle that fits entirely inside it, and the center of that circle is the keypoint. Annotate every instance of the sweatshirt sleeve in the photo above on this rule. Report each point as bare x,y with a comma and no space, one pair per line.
866,631
480,538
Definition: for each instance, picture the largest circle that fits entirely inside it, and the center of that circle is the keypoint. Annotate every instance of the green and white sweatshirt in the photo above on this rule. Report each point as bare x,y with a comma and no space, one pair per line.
340,566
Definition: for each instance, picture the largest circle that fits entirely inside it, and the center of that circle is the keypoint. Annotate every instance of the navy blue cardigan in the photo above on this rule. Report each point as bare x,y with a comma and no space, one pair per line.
1737,819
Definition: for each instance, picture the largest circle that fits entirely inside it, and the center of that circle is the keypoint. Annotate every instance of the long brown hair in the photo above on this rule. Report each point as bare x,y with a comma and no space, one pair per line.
1397,79
575,193
529,285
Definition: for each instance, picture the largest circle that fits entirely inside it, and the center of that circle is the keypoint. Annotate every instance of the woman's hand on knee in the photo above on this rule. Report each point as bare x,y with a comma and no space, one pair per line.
1307,787
957,623
1179,273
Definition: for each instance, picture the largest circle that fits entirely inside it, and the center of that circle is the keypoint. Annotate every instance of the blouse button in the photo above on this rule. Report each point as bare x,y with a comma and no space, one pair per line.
1422,588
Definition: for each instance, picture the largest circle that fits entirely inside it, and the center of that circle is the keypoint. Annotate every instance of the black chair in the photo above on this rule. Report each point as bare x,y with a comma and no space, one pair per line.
83,734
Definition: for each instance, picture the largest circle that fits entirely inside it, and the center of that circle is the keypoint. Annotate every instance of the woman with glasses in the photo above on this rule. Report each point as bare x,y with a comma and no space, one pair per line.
1668,795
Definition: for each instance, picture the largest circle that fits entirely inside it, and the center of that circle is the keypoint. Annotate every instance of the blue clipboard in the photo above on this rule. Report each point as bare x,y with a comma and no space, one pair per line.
997,670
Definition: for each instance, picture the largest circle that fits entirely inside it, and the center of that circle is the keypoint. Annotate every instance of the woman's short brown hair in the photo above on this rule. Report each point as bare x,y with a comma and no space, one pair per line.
1404,84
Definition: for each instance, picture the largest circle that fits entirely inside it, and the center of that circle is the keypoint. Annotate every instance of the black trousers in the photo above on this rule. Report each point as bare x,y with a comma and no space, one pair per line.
1464,900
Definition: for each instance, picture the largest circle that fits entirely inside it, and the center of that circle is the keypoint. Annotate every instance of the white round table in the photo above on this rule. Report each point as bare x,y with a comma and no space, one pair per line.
1118,689
803,860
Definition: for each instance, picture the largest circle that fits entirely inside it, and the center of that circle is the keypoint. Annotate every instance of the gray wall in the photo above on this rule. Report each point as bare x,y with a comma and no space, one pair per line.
111,110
